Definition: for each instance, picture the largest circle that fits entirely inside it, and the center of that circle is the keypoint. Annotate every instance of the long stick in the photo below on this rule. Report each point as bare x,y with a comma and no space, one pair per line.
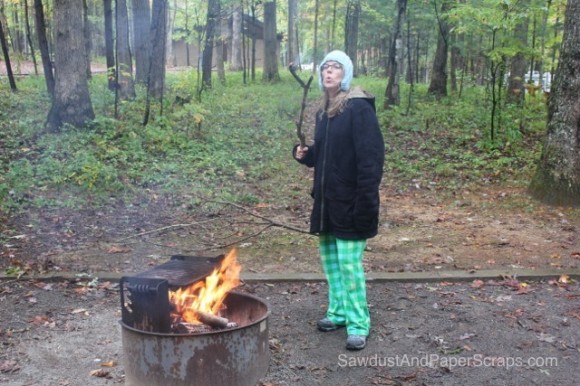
305,88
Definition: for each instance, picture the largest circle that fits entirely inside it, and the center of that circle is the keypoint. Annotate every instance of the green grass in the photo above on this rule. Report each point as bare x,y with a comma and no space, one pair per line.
234,145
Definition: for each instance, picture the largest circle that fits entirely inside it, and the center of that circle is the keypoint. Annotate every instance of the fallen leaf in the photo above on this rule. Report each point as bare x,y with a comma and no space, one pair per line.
546,338
564,279
39,319
118,249
9,366
109,364
477,284
100,373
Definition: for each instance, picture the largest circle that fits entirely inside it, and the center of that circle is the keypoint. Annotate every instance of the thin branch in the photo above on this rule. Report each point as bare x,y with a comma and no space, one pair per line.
305,89
245,238
275,223
163,229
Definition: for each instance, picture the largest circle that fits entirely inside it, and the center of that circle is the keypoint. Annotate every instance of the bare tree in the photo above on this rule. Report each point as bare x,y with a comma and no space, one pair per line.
71,103
557,179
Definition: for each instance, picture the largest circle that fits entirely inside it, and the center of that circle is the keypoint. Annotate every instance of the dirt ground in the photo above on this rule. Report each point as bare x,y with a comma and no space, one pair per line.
481,333
476,230
487,333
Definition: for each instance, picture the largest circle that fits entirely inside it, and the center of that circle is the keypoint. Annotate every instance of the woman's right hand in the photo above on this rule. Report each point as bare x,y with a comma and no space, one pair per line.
301,152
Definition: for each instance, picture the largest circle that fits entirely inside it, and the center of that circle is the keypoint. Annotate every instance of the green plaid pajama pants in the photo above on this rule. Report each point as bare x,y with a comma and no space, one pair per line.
347,297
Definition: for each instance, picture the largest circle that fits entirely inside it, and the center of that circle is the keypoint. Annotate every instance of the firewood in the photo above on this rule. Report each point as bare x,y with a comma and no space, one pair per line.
214,321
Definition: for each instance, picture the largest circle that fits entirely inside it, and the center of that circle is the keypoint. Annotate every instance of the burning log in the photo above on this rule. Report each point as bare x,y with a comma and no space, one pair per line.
208,323
214,320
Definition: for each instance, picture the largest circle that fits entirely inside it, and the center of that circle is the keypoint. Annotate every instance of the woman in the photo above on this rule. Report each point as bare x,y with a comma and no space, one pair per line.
347,156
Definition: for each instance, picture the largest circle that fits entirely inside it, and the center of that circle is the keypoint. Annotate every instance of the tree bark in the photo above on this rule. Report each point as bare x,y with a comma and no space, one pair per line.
351,32
43,46
109,43
141,41
156,73
270,43
29,37
392,93
293,54
125,84
87,37
315,47
71,103
237,36
438,85
207,61
557,180
7,58
220,46
515,87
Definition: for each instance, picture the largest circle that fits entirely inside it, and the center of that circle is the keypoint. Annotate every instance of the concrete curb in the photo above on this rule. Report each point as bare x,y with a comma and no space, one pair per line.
372,277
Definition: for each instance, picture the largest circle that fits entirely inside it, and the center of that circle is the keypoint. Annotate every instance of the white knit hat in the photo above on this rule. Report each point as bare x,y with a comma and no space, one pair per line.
344,60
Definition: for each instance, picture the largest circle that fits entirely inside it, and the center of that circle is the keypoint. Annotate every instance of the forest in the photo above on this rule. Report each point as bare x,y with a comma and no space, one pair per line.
133,131
192,101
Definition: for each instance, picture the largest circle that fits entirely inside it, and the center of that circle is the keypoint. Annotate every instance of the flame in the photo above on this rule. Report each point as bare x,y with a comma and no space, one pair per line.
207,295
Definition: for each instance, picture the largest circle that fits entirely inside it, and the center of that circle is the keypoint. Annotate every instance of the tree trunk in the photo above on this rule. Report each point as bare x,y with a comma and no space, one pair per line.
141,41
29,36
515,87
87,37
293,54
71,103
170,59
109,43
351,32
270,43
237,36
315,47
43,46
438,85
156,73
557,180
220,46
125,84
392,93
210,28
7,58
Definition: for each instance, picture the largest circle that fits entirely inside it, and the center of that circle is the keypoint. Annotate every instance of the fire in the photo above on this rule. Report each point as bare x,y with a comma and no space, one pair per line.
207,295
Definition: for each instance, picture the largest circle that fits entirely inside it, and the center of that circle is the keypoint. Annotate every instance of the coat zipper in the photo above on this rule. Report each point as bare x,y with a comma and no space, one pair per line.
323,176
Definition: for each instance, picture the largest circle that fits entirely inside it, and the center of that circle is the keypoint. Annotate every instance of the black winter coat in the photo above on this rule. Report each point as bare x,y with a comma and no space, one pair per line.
348,156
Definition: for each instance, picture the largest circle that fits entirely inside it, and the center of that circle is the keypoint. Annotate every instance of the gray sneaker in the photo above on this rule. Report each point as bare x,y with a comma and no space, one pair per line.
356,342
326,325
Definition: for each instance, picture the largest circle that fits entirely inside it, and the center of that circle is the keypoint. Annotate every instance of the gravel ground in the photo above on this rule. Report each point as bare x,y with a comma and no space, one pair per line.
500,332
